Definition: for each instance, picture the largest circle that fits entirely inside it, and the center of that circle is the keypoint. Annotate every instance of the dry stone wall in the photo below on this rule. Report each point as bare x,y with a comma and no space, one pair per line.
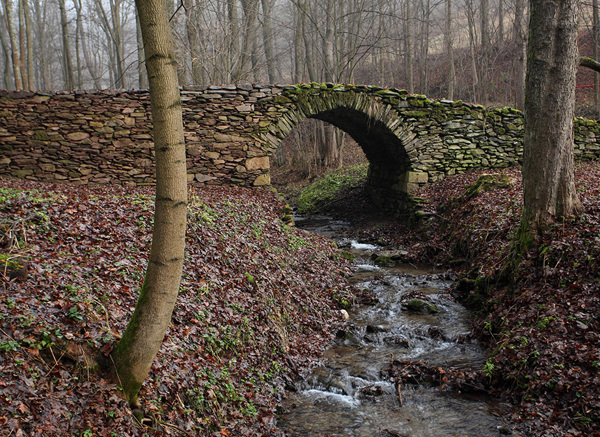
231,130
105,137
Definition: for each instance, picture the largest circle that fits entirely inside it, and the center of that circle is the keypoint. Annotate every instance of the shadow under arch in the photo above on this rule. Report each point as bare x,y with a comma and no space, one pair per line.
379,130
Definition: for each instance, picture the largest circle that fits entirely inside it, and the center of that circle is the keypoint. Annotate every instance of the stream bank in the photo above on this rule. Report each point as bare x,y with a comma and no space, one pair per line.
541,325
411,319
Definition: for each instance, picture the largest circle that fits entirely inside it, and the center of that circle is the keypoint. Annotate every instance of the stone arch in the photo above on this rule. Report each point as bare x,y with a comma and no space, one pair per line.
386,139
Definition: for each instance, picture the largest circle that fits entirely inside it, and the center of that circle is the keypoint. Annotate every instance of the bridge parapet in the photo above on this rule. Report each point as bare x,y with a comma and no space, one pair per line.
232,130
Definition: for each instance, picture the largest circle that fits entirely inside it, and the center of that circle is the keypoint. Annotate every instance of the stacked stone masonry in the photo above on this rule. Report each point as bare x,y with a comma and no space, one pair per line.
232,130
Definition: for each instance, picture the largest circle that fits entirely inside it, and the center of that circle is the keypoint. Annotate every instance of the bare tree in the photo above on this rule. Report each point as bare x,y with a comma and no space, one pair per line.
145,332
66,53
112,23
449,51
548,162
8,16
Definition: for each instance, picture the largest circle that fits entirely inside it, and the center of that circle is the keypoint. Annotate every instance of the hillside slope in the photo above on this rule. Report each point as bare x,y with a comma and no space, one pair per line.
258,302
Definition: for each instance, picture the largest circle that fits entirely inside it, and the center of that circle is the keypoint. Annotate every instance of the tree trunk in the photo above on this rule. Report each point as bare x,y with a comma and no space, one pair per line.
485,47
327,42
548,163
13,44
449,51
141,341
40,14
298,53
520,45
142,74
194,31
309,50
500,21
67,62
472,44
596,38
425,25
89,62
23,47
247,55
6,79
409,49
78,42
267,9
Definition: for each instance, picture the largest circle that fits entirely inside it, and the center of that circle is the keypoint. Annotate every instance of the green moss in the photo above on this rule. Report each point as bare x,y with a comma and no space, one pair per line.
282,100
416,113
487,182
422,307
384,261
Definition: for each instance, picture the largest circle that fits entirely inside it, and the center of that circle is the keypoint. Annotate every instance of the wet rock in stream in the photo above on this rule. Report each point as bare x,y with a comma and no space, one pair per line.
421,306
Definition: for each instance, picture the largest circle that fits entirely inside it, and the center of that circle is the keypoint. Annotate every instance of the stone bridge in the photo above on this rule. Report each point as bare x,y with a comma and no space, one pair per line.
231,131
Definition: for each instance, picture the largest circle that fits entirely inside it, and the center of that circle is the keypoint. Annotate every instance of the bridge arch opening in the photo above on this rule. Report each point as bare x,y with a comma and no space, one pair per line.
312,148
377,129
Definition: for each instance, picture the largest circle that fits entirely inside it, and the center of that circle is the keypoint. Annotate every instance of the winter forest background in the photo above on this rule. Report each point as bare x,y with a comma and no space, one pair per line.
472,50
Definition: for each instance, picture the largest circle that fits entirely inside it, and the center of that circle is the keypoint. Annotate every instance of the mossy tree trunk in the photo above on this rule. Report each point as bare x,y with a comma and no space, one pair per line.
548,161
141,341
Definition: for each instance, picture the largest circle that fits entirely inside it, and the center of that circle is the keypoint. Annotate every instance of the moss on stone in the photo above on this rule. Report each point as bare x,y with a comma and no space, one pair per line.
416,103
416,113
487,182
421,306
384,261
281,99
346,255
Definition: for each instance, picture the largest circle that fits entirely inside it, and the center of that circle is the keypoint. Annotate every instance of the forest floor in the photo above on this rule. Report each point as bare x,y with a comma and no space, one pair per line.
259,300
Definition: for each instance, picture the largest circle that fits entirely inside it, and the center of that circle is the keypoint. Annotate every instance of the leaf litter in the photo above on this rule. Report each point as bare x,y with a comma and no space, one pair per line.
258,302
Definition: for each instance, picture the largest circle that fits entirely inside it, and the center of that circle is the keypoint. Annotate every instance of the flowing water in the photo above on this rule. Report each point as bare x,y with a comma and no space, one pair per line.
347,396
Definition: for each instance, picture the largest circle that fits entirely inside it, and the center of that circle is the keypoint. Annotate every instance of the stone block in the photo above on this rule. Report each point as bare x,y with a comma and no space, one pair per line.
262,180
204,178
245,108
258,163
22,173
78,136
417,177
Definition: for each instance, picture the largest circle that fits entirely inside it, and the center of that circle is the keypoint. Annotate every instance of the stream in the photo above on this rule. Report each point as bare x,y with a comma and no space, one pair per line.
346,395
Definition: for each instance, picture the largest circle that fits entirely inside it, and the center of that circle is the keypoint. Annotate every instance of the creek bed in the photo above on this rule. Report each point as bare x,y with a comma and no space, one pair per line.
347,396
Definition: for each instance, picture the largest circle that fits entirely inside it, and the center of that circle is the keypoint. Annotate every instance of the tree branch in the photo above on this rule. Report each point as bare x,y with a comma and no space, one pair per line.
589,63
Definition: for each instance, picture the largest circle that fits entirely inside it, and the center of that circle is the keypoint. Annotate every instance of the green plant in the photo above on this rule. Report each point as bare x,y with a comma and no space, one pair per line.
581,419
488,368
74,313
26,320
325,189
543,322
72,289
9,345
10,303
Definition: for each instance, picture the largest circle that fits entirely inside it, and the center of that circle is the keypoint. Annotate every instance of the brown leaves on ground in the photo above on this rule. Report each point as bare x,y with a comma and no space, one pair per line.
258,301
